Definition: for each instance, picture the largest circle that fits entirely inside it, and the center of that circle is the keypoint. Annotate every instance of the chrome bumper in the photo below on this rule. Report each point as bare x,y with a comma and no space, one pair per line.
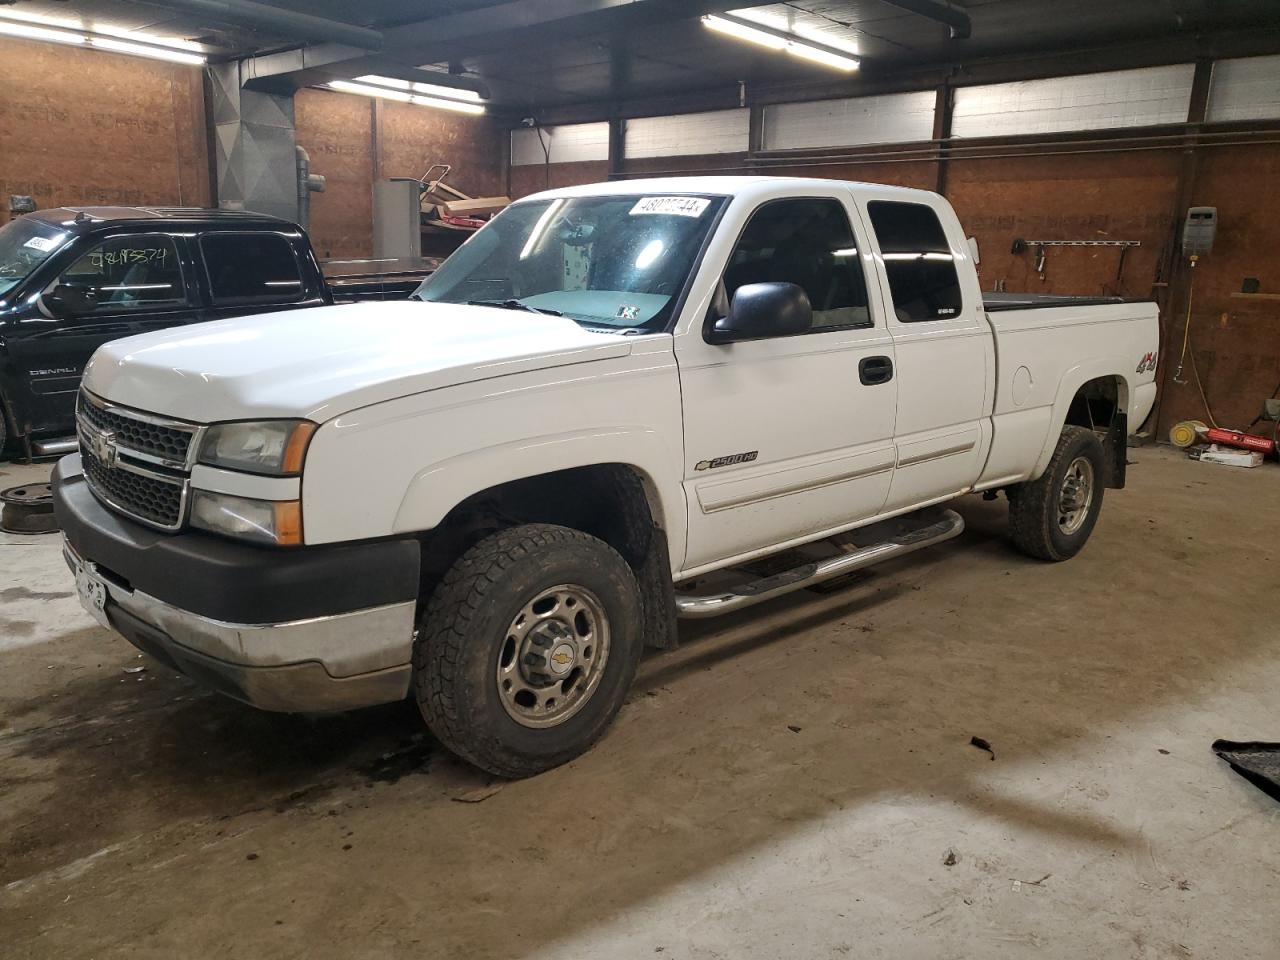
322,664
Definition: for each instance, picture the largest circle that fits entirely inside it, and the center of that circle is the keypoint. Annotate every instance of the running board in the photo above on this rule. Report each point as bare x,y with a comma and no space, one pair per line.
692,606
54,448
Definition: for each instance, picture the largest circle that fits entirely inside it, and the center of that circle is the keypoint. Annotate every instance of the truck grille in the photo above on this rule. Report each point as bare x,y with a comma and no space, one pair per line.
170,441
142,495
136,463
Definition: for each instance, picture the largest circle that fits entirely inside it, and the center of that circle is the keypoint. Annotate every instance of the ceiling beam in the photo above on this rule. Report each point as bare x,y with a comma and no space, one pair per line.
941,11
512,25
288,24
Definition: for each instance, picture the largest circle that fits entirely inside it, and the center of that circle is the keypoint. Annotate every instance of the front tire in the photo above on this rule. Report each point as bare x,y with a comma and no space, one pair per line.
1051,517
527,648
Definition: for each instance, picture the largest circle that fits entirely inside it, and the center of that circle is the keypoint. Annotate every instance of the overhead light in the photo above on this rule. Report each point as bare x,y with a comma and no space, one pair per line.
366,90
768,20
61,30
142,50
430,89
32,32
176,43
773,41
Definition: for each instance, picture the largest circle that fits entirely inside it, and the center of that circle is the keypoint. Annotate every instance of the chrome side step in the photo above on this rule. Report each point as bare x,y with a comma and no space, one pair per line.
55,448
697,606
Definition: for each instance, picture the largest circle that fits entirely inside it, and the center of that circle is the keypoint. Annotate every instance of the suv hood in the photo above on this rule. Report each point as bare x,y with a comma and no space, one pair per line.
322,362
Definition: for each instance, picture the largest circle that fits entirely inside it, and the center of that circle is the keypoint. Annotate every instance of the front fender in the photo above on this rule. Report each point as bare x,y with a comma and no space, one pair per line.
438,488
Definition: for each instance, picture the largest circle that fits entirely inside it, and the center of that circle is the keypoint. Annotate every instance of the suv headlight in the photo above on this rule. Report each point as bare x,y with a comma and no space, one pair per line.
273,447
277,522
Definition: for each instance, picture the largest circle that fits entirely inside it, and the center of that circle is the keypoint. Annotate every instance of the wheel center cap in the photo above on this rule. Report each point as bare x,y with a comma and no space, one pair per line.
562,658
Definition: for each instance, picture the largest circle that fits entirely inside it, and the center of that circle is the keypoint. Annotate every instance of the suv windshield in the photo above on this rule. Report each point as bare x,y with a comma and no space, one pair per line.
617,261
24,245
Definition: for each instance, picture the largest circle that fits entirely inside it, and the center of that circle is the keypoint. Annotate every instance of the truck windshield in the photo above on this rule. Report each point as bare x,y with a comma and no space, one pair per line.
616,261
24,245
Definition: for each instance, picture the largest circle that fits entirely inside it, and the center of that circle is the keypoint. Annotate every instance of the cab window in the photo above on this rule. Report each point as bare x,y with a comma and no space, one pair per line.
807,242
122,274
251,268
918,261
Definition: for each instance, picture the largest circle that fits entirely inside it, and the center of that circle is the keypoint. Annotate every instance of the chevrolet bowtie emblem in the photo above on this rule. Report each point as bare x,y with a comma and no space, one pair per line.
104,448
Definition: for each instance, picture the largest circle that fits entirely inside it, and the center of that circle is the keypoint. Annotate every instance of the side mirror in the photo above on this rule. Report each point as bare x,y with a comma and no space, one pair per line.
65,300
761,310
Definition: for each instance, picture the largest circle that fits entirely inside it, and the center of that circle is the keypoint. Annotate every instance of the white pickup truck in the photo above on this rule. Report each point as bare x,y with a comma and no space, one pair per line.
615,405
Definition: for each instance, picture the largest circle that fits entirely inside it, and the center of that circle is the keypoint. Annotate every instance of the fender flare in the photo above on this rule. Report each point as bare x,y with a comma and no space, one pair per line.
1073,378
436,489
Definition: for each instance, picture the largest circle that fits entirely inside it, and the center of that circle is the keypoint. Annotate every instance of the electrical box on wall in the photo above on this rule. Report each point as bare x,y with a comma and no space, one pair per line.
1198,230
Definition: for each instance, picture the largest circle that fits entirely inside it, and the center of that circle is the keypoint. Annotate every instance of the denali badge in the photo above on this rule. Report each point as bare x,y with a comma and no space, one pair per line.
728,461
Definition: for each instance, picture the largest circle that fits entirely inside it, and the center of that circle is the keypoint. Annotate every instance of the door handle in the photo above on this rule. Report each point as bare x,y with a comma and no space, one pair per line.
874,370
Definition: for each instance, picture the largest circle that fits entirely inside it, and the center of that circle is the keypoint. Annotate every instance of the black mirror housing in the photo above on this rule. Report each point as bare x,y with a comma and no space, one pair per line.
761,310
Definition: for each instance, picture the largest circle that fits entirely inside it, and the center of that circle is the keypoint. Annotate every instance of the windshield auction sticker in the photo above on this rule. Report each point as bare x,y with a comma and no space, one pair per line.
43,244
676,206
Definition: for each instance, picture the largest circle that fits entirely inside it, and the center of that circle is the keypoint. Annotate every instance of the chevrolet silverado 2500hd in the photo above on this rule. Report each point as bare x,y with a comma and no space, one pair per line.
613,406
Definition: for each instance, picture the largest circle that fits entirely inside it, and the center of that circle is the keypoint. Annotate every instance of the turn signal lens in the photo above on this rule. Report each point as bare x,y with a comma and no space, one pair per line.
277,522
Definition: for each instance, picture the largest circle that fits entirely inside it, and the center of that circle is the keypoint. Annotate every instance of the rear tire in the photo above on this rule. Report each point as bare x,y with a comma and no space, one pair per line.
527,648
1051,517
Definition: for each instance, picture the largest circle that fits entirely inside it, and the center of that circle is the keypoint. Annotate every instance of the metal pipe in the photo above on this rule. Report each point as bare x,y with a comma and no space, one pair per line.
951,524
308,183
940,11
293,25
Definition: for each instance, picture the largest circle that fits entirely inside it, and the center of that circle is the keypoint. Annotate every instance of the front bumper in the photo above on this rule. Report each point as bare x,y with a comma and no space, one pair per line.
170,596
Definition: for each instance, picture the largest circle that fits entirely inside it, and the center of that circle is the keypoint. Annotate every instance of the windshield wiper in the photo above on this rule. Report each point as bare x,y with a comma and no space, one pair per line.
513,304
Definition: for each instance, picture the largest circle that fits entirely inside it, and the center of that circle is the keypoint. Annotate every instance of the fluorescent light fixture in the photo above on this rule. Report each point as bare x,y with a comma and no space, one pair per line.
430,89
786,24
365,90
31,32
845,252
795,47
176,43
142,50
61,30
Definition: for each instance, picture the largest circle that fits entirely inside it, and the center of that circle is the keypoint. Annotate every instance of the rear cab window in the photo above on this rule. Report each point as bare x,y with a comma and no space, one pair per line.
251,268
917,260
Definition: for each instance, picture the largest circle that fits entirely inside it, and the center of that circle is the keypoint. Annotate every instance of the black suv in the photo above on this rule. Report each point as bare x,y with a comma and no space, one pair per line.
73,278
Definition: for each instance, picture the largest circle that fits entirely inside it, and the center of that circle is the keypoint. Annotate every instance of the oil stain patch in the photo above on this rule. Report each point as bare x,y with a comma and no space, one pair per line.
411,757
13,594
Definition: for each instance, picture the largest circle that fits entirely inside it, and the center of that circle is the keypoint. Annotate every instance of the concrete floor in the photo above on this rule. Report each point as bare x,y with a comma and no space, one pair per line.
787,784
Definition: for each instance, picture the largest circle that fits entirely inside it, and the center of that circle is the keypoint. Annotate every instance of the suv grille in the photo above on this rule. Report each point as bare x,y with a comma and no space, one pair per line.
168,442
143,495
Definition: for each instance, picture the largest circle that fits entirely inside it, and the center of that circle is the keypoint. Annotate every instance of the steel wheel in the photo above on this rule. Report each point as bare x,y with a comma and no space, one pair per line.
1076,495
553,657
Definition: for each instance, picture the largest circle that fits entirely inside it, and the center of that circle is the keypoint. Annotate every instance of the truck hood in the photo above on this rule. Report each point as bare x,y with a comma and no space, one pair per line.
322,362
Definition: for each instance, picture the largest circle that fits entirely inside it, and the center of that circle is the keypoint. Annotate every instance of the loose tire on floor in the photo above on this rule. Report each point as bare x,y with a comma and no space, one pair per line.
504,633
1050,518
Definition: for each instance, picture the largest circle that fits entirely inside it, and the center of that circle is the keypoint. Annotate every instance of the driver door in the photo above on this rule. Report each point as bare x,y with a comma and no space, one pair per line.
788,438
113,288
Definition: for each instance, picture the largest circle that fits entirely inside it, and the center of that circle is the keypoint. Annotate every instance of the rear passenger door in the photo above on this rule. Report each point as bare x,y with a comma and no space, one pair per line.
789,437
943,345
254,272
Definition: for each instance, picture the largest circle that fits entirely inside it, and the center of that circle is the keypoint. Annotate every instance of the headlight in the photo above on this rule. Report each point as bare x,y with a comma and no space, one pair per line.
262,521
274,447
